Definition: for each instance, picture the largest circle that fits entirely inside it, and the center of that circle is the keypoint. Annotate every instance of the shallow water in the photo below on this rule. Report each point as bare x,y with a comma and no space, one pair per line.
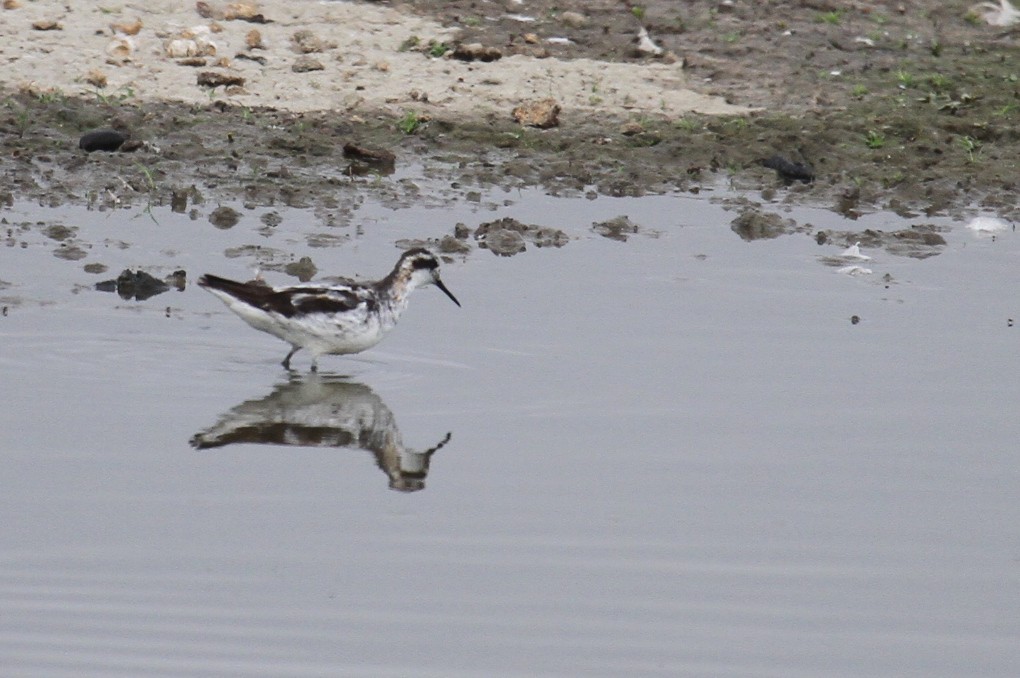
673,455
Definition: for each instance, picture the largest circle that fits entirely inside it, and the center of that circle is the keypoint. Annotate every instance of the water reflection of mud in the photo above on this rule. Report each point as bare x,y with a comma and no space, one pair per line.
323,411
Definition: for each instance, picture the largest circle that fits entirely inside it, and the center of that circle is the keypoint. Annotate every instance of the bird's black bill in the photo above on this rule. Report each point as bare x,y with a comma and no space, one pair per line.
440,285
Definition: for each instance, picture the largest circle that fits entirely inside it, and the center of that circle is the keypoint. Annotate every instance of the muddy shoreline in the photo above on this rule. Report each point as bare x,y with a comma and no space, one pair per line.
913,112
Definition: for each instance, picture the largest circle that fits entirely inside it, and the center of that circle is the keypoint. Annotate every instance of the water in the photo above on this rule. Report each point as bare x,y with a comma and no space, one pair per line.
673,455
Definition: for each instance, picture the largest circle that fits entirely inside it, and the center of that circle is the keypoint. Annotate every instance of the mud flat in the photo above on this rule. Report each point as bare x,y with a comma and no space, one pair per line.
909,110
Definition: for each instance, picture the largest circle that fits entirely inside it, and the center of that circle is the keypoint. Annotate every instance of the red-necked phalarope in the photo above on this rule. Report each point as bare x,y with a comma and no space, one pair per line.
330,319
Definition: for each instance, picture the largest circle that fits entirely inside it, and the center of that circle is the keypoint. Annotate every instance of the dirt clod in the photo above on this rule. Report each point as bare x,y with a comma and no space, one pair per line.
542,114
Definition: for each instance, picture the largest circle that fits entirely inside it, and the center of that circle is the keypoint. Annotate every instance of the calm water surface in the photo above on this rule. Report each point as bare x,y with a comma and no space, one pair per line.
672,456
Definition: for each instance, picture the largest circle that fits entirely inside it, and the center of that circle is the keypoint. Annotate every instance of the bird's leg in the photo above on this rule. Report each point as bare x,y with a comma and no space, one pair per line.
286,361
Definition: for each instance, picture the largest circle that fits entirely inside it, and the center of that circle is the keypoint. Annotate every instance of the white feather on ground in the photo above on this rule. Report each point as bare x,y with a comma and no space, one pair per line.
854,252
645,43
1003,14
987,225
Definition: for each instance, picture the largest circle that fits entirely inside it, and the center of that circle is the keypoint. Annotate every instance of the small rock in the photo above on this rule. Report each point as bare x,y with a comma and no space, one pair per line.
179,201
180,48
306,42
547,237
305,64
753,224
451,245
12,4
367,160
252,57
504,243
205,10
178,279
244,11
127,28
531,38
631,128
303,269
121,47
241,11
96,78
918,242
573,19
619,228
213,79
137,285
254,39
476,51
542,114
47,25
224,217
102,140
506,236
59,232
370,154
69,252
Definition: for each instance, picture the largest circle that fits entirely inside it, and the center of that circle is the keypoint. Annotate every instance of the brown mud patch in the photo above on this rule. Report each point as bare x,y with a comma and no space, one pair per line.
912,109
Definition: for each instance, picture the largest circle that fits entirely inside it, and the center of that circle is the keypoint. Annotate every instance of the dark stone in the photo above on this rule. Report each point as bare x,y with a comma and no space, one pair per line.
789,170
102,140
224,217
213,79
137,285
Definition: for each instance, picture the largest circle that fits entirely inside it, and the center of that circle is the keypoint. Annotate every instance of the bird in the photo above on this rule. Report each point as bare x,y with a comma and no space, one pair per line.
330,319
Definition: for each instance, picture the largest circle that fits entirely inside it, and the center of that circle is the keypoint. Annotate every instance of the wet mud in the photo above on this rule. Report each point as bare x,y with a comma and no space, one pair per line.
860,106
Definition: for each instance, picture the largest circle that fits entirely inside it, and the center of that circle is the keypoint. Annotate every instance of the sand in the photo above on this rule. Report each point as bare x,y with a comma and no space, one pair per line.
364,69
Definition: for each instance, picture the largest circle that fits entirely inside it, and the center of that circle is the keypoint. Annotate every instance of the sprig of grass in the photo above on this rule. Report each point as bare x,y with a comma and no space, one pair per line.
970,146
410,123
874,139
832,18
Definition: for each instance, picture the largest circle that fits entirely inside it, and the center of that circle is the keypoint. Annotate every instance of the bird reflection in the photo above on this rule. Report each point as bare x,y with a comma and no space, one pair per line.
324,411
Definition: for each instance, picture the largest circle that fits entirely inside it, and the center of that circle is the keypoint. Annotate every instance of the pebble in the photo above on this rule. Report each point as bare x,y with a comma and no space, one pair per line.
619,228
127,28
96,78
306,64
573,19
224,217
47,25
254,39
